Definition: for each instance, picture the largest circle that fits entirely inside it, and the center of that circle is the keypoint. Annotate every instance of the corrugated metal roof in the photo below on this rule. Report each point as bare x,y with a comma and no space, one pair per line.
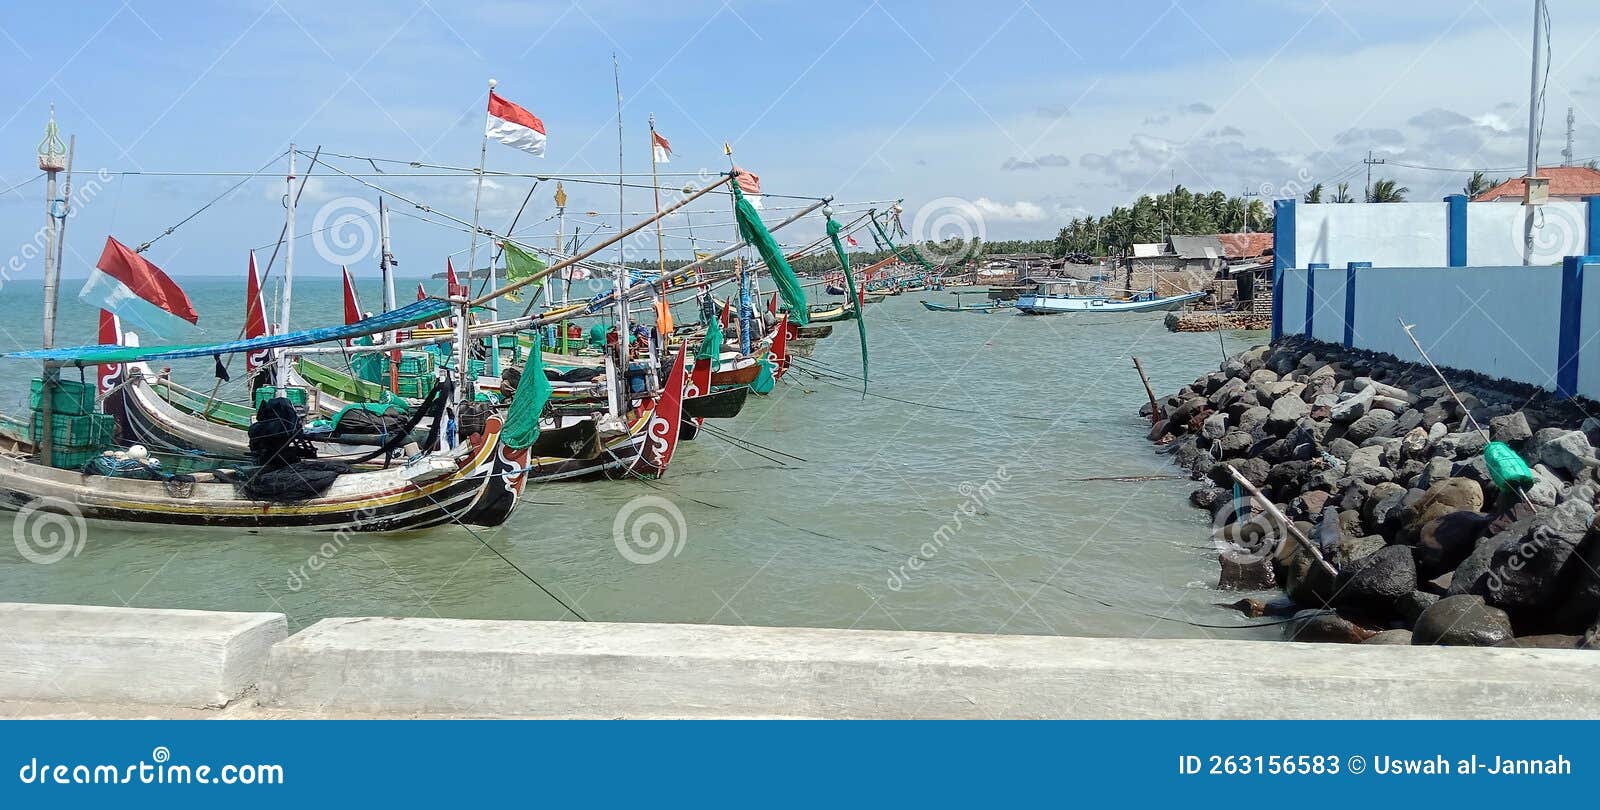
1196,247
1148,250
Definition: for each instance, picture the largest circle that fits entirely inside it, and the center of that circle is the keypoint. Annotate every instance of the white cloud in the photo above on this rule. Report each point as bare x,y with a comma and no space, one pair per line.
1019,211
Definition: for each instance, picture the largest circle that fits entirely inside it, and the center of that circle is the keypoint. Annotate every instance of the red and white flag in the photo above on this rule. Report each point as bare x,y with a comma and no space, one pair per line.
514,126
851,241
255,319
750,184
659,148
136,291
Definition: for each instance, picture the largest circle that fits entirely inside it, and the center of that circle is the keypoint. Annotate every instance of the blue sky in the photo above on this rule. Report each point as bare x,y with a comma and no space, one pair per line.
1014,116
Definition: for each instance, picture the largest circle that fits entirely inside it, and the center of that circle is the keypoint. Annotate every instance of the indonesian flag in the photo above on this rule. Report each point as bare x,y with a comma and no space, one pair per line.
136,291
659,148
851,241
110,335
514,126
255,319
750,184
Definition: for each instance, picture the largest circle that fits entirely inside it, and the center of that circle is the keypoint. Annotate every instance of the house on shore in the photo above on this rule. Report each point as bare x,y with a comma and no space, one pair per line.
1567,183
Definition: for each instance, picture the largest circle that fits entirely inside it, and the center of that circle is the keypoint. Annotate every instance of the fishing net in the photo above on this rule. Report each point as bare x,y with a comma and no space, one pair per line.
855,296
754,231
522,419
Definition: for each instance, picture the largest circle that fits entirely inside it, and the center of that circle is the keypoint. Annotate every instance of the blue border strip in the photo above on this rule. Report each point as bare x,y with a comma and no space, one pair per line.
1594,225
1311,292
1282,257
1350,301
1570,337
1456,227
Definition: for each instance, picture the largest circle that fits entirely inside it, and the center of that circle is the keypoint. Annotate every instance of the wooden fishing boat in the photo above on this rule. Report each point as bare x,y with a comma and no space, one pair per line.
746,372
831,313
1045,303
809,332
871,298
723,404
960,307
478,482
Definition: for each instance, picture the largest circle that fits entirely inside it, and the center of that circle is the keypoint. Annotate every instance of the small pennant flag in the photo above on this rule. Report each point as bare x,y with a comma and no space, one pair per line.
659,148
514,126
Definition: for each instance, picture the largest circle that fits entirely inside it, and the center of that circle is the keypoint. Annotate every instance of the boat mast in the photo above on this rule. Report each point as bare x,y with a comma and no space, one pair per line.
621,282
464,351
286,292
50,160
386,265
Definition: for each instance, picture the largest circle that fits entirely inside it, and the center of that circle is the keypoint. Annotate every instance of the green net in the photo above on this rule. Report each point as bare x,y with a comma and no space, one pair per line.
855,297
754,231
533,391
927,268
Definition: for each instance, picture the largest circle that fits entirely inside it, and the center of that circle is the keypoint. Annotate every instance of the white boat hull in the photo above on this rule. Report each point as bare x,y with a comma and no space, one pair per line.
1053,305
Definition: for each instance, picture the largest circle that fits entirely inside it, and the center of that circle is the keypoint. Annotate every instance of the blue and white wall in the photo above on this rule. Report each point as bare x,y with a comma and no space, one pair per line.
1349,274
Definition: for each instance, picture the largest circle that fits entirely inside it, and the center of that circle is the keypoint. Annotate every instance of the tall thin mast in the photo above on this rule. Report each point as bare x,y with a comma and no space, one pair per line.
463,351
286,293
1535,114
561,228
386,265
622,258
50,161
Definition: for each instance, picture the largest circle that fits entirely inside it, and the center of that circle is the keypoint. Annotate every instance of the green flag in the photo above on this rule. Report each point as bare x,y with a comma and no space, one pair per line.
527,404
521,264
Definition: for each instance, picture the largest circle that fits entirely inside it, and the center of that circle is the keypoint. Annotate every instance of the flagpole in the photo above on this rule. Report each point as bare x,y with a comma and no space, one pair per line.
463,351
655,184
745,343
286,290
386,265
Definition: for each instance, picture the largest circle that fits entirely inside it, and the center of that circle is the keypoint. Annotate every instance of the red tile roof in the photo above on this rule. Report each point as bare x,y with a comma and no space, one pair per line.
1566,182
1245,245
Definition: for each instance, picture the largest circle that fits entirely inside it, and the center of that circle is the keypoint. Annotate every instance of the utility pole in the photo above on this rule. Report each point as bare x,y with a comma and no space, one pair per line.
1370,163
1535,116
1567,153
1246,195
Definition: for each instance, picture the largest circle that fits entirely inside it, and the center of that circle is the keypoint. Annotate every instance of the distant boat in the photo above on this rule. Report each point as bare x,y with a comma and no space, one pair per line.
990,306
1060,297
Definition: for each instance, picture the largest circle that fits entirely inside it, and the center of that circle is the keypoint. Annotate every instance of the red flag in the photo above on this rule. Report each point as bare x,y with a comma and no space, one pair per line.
352,304
772,303
513,125
660,150
748,183
851,241
780,348
661,434
138,292
422,295
255,318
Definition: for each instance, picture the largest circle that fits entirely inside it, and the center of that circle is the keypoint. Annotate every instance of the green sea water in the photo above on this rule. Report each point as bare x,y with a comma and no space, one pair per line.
962,517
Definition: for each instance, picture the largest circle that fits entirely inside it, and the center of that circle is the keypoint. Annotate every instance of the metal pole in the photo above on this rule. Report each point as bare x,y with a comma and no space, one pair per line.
386,264
463,350
286,293
620,378
54,225
1534,114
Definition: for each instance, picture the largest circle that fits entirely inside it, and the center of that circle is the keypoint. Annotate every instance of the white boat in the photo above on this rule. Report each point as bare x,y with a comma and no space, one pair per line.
1058,297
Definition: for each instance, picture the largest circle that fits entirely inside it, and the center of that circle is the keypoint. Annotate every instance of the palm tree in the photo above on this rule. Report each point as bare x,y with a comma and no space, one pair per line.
1315,194
1478,184
1341,193
1388,191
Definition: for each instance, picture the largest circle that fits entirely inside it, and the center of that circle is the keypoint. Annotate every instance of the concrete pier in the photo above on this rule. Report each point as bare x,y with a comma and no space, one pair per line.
177,658
156,663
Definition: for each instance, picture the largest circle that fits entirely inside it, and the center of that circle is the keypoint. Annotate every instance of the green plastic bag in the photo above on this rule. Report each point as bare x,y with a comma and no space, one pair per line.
1506,467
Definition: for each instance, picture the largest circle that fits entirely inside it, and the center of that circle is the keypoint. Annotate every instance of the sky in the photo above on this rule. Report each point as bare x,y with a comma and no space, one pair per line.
1000,120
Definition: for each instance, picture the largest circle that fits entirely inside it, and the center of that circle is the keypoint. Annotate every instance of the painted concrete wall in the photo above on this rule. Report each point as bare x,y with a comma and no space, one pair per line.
1495,233
1501,321
1327,321
1388,234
